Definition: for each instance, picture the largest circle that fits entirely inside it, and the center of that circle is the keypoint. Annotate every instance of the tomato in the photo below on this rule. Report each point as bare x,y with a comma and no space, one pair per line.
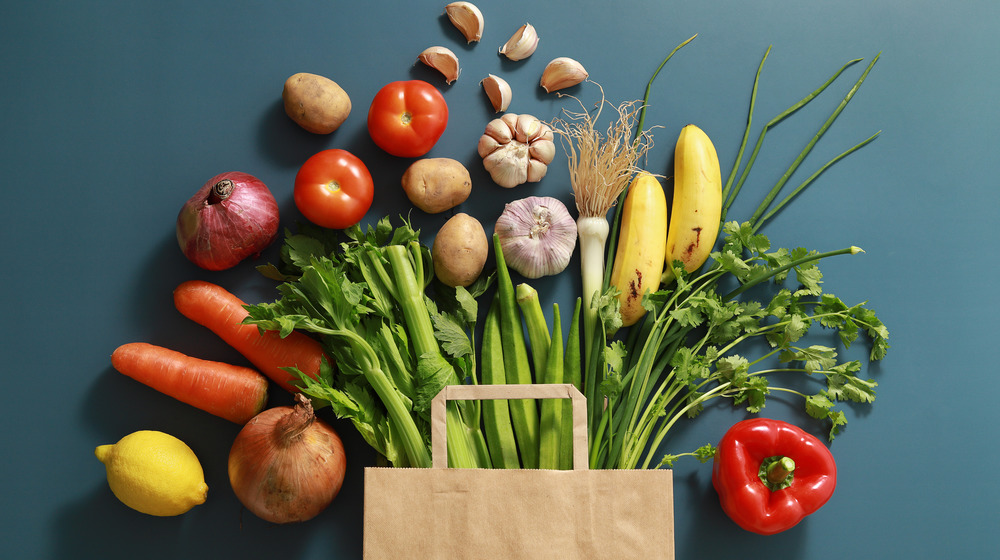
334,189
407,118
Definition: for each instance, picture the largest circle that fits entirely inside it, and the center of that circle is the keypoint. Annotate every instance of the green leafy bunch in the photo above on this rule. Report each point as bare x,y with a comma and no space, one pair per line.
692,345
394,347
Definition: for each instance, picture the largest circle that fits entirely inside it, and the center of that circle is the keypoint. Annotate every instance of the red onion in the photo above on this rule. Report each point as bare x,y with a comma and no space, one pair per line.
232,217
286,465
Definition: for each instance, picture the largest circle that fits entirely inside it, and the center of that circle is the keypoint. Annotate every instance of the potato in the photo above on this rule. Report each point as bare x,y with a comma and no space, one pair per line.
437,184
460,250
316,103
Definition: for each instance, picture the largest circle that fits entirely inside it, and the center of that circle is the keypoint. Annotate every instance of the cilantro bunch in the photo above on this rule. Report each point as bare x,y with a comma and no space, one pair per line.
686,351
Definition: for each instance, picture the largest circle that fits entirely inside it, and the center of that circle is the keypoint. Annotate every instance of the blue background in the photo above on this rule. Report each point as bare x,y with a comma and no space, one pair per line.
114,113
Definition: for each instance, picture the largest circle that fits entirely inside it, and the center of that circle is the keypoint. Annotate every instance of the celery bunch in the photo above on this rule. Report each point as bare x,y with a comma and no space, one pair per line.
393,347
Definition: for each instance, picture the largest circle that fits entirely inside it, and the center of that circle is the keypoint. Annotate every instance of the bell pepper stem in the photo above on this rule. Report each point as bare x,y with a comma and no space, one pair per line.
777,472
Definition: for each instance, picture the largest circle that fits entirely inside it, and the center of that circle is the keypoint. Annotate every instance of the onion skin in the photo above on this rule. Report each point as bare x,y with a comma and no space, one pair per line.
232,217
286,465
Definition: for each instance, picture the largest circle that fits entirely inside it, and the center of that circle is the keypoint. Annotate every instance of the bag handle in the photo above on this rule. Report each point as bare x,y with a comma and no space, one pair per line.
439,424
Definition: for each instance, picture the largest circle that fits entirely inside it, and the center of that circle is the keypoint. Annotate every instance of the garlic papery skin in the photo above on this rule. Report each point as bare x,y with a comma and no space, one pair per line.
516,149
498,91
443,60
521,44
467,18
561,73
537,236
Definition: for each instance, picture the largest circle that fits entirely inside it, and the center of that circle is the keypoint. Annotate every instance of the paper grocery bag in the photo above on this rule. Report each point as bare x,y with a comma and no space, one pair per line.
445,513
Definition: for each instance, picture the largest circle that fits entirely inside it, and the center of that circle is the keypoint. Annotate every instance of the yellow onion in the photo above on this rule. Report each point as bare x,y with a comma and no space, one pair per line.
286,464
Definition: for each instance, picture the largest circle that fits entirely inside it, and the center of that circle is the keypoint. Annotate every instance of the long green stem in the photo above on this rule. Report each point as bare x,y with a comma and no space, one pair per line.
649,84
770,214
754,220
675,416
731,195
743,143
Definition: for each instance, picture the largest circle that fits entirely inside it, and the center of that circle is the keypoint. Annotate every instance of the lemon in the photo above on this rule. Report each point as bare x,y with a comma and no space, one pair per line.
154,473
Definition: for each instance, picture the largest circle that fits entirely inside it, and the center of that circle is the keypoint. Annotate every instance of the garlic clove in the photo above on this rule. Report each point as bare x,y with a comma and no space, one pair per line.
528,129
500,129
542,150
562,72
498,90
467,18
521,44
510,119
443,60
487,145
537,236
506,166
536,171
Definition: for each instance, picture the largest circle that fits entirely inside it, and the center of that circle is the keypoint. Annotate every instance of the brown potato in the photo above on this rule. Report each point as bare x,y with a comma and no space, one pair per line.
437,184
460,250
316,103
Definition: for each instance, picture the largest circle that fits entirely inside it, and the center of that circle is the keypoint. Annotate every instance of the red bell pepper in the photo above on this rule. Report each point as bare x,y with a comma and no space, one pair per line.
770,474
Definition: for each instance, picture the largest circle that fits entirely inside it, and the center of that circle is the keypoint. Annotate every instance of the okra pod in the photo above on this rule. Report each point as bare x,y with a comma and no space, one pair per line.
538,330
550,430
496,413
523,412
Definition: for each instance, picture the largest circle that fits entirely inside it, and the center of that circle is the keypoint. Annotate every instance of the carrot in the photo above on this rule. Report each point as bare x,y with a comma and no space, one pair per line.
214,307
235,393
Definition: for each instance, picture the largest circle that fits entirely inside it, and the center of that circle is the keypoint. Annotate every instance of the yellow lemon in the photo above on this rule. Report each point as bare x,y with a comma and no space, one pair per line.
154,473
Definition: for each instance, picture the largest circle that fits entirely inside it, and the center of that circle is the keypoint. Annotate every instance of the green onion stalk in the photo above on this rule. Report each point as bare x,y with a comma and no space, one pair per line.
600,168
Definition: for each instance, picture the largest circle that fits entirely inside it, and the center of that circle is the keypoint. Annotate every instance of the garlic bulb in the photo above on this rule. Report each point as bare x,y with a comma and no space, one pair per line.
516,149
562,72
443,60
537,236
521,44
467,18
498,91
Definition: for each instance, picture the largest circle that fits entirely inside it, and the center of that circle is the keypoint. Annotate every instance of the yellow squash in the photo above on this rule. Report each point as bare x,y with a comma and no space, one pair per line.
641,243
697,203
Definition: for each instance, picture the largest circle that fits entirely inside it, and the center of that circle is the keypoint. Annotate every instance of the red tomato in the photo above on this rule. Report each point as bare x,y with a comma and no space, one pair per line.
407,118
333,189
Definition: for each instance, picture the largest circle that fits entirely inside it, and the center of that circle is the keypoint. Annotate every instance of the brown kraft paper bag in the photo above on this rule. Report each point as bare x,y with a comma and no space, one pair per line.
487,514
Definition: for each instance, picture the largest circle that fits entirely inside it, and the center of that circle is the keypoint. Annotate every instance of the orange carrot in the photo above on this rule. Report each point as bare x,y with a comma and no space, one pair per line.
235,393
214,307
